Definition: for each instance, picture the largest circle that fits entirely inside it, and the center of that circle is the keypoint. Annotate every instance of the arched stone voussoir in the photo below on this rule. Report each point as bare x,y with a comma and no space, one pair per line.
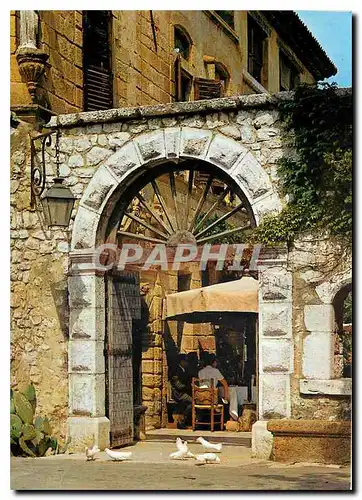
151,146
84,229
225,152
194,142
266,205
101,186
250,174
124,160
328,290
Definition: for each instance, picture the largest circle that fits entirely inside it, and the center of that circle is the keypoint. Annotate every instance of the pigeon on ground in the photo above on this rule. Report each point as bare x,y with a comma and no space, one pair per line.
216,447
207,458
182,451
118,455
181,445
91,452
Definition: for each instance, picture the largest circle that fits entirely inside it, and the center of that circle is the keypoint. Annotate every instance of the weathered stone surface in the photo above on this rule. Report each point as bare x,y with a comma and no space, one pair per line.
117,139
266,205
194,142
326,291
86,356
96,155
319,318
123,160
311,441
225,152
265,118
265,134
84,229
86,432
81,144
318,355
337,387
274,398
86,291
172,142
87,394
87,322
75,161
276,284
276,355
99,189
231,131
275,319
151,145
261,441
251,175
247,132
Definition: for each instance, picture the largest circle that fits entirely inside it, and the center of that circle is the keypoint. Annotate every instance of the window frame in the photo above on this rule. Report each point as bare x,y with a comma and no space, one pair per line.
254,29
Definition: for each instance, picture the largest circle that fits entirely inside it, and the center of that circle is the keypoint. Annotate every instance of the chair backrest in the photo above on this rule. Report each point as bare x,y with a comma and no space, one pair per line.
206,396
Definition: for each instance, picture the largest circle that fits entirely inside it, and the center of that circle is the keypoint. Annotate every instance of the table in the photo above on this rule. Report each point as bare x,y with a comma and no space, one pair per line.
238,396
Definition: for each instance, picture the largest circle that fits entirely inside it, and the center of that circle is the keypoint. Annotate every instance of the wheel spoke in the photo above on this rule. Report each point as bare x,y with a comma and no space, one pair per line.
212,208
220,219
174,196
152,213
162,203
139,237
224,233
201,202
147,226
189,192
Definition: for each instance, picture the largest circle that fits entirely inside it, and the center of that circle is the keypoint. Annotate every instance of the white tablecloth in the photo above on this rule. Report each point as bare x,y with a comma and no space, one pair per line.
238,396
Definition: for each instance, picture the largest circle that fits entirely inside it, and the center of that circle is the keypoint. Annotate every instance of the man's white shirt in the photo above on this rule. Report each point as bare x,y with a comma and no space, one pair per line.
209,372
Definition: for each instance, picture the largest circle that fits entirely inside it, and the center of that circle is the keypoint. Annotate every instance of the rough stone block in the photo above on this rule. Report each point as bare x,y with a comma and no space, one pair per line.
252,176
275,319
319,318
96,155
225,152
84,229
124,160
275,284
318,356
274,396
151,145
117,139
276,355
99,189
86,291
86,356
87,323
87,394
194,142
337,387
172,142
85,431
261,440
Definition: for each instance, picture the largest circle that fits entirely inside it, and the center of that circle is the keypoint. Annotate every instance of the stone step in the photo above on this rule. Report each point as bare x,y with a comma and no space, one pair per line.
227,438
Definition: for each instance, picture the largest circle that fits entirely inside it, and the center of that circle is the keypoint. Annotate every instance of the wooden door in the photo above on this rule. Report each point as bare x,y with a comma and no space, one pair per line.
123,305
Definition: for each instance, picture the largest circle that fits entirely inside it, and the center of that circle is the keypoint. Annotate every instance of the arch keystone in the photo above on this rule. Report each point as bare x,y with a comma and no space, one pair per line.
225,152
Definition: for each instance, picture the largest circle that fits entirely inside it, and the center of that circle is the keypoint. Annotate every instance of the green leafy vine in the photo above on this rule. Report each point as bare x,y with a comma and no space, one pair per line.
317,177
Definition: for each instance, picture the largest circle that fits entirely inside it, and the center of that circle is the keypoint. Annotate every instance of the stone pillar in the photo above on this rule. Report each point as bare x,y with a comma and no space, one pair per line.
29,26
87,423
276,350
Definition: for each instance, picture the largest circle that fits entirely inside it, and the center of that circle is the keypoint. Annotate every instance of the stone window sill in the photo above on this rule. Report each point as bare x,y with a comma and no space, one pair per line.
332,387
254,84
223,25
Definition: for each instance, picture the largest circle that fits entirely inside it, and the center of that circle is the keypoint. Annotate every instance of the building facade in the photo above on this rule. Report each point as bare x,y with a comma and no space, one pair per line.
72,325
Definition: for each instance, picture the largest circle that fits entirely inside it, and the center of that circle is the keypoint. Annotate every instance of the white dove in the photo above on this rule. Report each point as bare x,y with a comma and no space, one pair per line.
118,455
181,445
182,451
207,458
209,446
91,452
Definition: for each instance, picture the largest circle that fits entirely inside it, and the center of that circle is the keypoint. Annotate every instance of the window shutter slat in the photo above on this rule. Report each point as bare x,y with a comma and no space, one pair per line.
207,89
98,89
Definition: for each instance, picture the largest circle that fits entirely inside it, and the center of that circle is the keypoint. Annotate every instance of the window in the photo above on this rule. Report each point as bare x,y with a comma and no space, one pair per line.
288,73
222,76
207,89
182,42
256,48
227,16
183,83
97,60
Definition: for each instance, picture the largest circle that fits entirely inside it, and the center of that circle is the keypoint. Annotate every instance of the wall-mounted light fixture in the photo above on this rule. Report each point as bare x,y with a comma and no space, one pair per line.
58,200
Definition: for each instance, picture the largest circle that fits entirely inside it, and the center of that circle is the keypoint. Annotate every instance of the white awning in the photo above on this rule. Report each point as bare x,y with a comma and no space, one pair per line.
234,296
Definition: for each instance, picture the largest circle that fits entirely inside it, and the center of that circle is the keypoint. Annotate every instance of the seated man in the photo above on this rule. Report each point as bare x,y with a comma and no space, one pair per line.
211,372
181,390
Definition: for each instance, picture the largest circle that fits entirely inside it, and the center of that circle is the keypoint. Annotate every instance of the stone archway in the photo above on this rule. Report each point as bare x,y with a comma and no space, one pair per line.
86,285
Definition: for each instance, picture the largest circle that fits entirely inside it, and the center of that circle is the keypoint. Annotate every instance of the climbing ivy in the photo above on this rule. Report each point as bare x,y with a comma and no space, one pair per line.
318,177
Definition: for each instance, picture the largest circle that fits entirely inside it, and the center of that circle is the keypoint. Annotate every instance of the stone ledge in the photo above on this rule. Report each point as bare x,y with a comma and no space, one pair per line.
290,427
337,387
171,109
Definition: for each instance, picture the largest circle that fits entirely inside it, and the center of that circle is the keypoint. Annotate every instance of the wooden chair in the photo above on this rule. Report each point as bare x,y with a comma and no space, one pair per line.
206,399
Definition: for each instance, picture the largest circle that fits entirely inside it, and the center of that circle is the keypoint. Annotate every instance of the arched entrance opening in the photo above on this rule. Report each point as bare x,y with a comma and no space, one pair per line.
342,304
189,202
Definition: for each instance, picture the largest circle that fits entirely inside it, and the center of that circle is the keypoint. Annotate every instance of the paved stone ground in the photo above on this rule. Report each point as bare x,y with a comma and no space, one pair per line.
151,469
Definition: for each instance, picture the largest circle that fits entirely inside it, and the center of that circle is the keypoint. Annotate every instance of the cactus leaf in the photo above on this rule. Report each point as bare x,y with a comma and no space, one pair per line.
46,428
23,408
43,446
29,432
12,406
25,447
16,426
29,393
39,436
38,422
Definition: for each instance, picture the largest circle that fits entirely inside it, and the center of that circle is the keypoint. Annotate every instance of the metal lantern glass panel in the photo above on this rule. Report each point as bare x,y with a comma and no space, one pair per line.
58,202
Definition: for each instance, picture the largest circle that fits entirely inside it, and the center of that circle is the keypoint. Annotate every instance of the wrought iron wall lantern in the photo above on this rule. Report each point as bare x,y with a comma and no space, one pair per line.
58,200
